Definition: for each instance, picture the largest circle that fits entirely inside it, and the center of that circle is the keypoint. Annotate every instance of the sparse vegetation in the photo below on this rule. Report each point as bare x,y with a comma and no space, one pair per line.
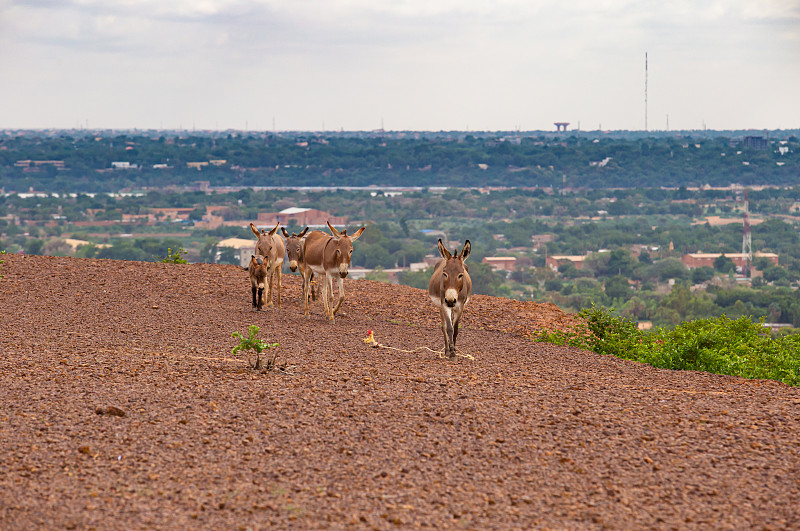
175,257
257,346
734,347
1,264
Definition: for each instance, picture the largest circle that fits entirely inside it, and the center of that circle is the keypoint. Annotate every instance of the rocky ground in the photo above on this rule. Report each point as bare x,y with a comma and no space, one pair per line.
122,407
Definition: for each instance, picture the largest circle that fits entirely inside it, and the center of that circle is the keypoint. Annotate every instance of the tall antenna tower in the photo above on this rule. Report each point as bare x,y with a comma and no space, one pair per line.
645,91
747,241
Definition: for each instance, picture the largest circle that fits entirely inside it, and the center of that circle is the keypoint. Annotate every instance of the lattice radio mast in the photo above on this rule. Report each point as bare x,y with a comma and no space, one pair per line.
747,241
645,91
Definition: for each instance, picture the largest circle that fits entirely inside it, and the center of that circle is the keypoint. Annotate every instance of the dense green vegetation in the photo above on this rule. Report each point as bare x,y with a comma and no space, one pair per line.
735,347
91,160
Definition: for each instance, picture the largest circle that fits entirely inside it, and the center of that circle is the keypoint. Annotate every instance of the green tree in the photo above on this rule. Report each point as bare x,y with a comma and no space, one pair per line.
618,287
723,264
775,273
33,246
701,274
487,281
378,274
415,279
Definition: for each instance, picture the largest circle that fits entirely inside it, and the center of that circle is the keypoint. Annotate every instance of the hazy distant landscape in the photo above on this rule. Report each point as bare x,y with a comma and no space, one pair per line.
575,218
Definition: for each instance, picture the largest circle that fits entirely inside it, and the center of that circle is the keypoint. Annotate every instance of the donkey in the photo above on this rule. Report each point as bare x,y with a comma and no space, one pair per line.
294,252
272,248
328,256
258,276
450,289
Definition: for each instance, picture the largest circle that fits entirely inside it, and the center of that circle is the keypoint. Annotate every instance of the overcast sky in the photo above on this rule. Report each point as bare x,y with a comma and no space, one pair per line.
402,64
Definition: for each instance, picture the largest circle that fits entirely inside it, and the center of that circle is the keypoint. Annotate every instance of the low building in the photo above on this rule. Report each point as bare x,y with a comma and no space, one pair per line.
756,142
504,263
554,261
242,249
431,259
303,217
34,165
693,260
172,213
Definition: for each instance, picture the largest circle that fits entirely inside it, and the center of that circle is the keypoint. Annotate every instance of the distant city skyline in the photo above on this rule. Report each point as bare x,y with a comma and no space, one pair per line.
436,65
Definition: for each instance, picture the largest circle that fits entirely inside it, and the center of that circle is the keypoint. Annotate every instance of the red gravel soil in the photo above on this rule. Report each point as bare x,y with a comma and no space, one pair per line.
122,407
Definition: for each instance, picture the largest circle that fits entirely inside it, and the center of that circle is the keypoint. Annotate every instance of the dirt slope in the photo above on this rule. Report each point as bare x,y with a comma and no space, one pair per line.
523,436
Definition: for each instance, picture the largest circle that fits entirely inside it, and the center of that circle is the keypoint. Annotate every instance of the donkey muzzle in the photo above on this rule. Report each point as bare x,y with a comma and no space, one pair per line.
293,265
450,297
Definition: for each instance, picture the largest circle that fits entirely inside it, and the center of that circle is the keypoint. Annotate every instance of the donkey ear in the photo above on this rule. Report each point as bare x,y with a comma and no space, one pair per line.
274,229
357,234
285,233
443,250
255,230
336,233
303,233
465,251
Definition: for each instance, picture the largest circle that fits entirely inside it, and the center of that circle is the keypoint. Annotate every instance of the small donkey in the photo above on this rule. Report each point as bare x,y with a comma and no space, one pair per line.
258,277
271,247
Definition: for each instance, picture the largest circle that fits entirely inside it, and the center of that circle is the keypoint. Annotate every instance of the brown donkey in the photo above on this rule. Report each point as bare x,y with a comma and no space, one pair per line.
258,276
294,249
294,252
450,289
272,248
328,256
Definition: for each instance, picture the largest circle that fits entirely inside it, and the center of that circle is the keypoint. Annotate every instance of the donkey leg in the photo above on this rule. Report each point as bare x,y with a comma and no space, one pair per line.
447,328
340,281
278,272
271,276
314,293
306,295
260,298
329,295
325,294
456,320
255,300
451,333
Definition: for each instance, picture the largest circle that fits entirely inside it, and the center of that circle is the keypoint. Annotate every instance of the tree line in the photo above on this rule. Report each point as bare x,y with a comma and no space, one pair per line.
580,159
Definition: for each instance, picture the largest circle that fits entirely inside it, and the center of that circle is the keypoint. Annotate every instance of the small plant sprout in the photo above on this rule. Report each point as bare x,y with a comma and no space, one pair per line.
258,346
175,257
1,263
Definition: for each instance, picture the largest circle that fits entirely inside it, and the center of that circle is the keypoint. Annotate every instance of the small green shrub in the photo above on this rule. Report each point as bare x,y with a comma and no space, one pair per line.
175,257
719,345
257,346
1,263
